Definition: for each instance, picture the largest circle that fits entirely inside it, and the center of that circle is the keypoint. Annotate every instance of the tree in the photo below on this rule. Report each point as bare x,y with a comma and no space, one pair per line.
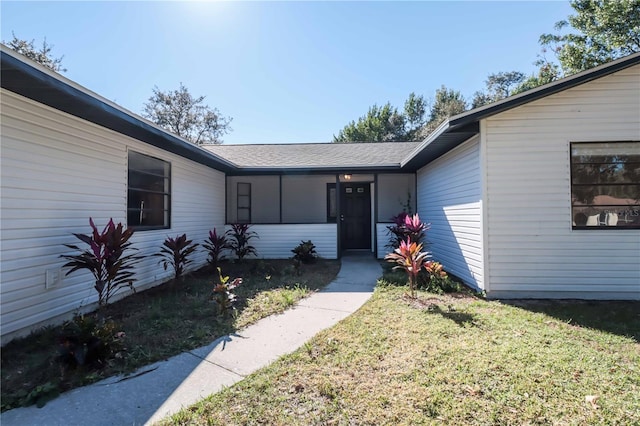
386,124
179,112
607,30
380,124
547,72
415,111
498,86
447,103
42,56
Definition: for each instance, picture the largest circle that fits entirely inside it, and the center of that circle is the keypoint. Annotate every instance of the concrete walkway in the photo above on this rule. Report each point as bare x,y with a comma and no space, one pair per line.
162,389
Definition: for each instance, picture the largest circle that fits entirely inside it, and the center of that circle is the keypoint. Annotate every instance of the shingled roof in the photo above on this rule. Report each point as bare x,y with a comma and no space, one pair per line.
316,156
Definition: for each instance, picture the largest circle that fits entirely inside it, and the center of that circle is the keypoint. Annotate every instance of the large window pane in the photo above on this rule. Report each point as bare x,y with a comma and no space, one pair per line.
148,195
605,185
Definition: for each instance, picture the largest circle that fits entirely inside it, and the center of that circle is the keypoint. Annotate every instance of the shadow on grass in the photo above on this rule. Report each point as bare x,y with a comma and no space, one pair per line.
460,318
158,323
616,317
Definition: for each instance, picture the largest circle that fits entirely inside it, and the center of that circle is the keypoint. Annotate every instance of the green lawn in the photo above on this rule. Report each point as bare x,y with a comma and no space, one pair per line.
451,359
159,323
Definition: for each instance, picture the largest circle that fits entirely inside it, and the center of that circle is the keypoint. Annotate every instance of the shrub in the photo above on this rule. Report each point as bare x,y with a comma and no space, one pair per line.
240,235
105,259
176,252
406,226
215,246
410,257
305,252
86,341
435,280
223,292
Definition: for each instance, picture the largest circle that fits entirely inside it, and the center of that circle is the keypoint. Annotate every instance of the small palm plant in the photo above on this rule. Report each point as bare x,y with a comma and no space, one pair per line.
410,257
175,253
107,258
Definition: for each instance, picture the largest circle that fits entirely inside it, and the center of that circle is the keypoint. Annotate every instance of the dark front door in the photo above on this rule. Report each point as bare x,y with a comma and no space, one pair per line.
355,217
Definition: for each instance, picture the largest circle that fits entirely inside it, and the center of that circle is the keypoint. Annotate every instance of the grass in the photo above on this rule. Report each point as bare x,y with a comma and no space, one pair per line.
159,323
449,359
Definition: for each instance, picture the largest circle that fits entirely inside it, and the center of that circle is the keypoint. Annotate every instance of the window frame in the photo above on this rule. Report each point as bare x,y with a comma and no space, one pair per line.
634,208
166,194
330,218
238,208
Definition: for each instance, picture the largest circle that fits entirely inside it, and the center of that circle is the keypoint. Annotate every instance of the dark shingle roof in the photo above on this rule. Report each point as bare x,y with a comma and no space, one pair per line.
316,156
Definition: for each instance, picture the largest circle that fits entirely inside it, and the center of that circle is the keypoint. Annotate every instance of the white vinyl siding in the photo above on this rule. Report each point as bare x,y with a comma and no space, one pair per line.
57,171
277,241
449,198
532,249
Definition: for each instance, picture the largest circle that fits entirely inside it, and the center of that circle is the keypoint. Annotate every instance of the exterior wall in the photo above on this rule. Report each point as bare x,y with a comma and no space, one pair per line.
265,198
395,191
450,198
304,198
277,241
57,171
532,250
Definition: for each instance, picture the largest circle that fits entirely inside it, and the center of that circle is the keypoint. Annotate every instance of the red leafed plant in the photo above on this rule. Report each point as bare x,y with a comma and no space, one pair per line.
175,252
410,257
215,246
105,259
406,226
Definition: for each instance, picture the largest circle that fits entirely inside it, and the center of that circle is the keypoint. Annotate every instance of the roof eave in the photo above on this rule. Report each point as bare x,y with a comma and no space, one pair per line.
34,82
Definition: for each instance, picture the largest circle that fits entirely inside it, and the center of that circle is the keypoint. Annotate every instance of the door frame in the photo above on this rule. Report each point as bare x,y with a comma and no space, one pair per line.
373,212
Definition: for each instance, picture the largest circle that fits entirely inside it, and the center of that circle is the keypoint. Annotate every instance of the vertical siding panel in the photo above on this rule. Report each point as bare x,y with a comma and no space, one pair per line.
56,172
532,249
449,197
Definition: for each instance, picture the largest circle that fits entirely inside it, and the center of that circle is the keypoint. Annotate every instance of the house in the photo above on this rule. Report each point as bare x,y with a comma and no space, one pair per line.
505,187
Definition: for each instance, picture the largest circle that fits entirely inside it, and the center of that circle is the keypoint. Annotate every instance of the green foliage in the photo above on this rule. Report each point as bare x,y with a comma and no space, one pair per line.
42,56
305,252
105,259
186,116
434,279
380,124
410,257
89,342
239,238
215,246
498,86
606,30
447,103
223,292
386,124
175,253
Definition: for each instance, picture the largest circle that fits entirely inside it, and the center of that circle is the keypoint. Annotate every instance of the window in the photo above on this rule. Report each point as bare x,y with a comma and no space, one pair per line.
244,202
605,185
331,202
149,194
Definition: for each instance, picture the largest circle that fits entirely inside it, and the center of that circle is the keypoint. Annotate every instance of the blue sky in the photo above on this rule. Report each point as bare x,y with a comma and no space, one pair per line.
286,71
